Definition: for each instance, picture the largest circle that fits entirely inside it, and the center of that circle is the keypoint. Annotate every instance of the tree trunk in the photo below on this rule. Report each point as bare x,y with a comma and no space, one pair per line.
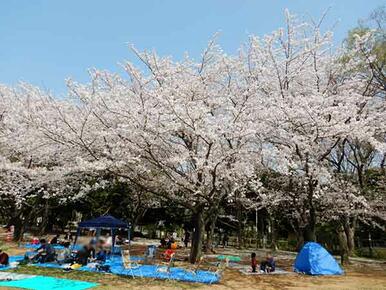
197,237
349,230
19,230
273,235
299,235
309,231
210,234
344,251
240,226
299,242
19,225
44,224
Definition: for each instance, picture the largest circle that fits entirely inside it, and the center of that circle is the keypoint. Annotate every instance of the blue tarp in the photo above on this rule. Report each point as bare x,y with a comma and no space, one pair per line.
11,260
106,221
56,247
47,283
149,271
313,259
174,273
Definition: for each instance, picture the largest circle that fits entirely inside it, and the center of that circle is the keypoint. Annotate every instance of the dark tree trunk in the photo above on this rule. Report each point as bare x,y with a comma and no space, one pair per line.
43,226
299,235
360,176
197,237
19,230
344,251
20,226
273,235
309,231
349,230
299,242
210,233
135,218
240,225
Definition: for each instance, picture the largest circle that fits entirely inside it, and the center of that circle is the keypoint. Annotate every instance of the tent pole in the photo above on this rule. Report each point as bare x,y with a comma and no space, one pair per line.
112,241
76,237
98,234
129,236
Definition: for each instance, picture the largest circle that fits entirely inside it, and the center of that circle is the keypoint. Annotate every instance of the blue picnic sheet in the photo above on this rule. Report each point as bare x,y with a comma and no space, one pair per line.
56,247
148,271
174,273
48,283
12,259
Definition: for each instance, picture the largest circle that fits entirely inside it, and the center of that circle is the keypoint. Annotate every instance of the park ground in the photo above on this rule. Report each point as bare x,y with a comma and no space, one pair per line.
361,274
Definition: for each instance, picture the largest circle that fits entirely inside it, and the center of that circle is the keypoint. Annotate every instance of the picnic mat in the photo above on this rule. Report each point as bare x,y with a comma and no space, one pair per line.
232,265
13,261
229,257
5,276
48,283
113,261
56,247
174,273
278,271
148,271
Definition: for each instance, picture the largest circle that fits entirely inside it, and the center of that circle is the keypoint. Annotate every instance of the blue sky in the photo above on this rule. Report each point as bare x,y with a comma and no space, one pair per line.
46,41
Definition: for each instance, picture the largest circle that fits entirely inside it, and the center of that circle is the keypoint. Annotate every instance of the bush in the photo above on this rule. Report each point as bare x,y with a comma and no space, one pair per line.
377,253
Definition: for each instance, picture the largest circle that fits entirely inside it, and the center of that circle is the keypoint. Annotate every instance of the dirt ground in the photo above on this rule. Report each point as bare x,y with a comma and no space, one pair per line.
358,276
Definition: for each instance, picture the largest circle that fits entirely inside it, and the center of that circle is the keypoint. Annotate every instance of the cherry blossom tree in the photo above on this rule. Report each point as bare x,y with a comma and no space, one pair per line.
201,133
313,105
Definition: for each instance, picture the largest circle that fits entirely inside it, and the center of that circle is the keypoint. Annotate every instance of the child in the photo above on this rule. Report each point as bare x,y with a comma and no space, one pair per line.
268,266
168,254
253,262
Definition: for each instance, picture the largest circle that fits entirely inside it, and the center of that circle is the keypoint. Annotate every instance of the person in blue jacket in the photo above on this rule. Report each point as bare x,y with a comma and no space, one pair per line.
268,265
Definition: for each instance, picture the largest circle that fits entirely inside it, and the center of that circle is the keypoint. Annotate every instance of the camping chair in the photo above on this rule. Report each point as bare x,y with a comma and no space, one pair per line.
128,264
165,267
221,267
150,255
196,267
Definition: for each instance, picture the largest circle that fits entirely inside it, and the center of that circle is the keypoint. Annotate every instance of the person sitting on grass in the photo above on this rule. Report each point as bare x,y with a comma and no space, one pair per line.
170,242
168,254
55,240
68,237
253,262
84,254
101,256
4,258
268,266
163,243
65,256
45,253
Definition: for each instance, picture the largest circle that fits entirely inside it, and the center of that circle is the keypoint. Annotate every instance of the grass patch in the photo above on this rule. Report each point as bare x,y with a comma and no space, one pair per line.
377,253
107,281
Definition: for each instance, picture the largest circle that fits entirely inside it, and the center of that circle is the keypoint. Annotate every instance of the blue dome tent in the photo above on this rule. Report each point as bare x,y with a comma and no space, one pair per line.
313,259
104,222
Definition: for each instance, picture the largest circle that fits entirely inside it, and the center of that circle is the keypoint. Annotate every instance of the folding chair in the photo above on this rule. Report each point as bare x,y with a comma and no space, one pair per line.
197,266
165,268
128,264
150,254
221,267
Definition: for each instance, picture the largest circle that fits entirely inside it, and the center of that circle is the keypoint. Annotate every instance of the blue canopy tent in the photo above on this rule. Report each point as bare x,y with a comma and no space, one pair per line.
104,222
